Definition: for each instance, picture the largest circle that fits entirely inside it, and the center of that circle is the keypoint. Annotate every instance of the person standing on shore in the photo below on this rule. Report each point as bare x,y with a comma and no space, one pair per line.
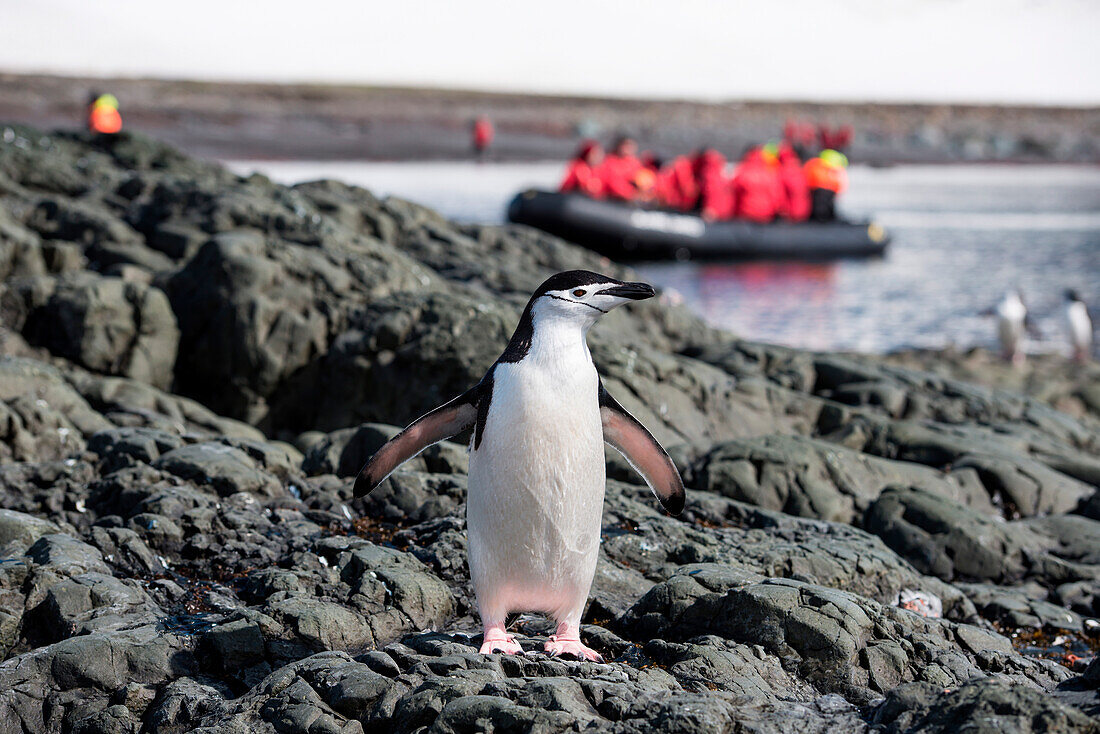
103,114
837,139
801,136
482,134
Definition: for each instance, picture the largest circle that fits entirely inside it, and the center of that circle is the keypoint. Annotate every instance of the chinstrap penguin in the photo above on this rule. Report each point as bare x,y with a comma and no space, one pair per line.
1078,326
536,485
1011,322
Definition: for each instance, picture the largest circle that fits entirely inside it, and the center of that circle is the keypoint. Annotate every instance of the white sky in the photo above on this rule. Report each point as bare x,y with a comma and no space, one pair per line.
1031,51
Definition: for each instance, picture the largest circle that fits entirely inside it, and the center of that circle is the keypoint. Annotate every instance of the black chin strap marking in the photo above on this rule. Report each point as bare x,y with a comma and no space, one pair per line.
581,303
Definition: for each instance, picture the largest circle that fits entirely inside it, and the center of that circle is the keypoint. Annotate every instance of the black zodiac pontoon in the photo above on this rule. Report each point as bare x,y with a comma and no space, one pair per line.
624,231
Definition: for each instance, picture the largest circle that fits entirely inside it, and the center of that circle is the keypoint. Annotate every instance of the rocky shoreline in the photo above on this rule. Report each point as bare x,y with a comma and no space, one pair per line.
193,365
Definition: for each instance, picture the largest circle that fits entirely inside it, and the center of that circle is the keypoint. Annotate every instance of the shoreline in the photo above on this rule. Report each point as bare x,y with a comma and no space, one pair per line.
334,122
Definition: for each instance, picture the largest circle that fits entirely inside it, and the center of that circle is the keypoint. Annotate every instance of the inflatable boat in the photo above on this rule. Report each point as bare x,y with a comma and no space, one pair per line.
625,231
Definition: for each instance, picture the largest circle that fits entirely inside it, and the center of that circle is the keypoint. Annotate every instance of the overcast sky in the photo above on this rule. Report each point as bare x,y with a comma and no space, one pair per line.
1031,51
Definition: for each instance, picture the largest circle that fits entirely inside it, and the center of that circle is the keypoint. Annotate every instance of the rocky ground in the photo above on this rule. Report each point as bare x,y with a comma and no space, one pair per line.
194,365
1071,387
251,120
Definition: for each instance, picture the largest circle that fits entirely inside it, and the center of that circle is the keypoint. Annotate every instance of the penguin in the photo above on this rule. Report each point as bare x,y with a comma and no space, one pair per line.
1078,326
1011,321
540,417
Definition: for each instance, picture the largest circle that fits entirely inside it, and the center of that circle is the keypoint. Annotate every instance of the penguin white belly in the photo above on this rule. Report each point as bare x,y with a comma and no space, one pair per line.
1010,333
1079,326
536,490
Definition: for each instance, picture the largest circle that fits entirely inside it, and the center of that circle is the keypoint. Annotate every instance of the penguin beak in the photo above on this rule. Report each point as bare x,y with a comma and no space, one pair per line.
631,291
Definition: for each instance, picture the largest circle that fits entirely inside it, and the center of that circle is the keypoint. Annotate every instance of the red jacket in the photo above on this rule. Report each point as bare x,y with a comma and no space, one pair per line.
617,175
715,200
837,139
757,191
580,177
483,133
796,205
676,187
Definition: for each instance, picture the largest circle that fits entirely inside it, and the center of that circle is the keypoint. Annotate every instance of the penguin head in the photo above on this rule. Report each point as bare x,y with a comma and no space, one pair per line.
582,296
1072,296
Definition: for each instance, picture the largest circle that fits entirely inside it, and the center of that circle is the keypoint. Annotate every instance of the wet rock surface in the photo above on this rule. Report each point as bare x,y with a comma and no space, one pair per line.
193,366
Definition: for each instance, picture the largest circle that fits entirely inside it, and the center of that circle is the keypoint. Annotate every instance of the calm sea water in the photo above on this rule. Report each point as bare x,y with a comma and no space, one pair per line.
962,235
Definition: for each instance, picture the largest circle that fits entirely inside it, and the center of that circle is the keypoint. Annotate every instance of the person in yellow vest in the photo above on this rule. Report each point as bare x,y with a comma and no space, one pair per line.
826,177
103,115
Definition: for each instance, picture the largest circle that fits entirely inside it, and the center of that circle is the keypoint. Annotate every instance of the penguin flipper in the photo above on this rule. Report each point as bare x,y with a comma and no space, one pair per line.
430,428
631,439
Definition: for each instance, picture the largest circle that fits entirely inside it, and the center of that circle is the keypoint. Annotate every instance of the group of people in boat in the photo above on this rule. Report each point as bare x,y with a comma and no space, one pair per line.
771,182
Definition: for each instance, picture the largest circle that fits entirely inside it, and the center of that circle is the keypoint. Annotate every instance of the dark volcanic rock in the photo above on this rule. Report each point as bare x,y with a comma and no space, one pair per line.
345,451
946,539
229,470
78,676
399,358
818,479
955,543
268,303
197,562
840,642
988,706
108,325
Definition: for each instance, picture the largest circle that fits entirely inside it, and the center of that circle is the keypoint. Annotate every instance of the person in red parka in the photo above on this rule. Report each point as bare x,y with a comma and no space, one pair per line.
838,138
842,138
715,200
581,176
481,135
676,187
796,205
619,169
757,192
647,177
790,131
801,137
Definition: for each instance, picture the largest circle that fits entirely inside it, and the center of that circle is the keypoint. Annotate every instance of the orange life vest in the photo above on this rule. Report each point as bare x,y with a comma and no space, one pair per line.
822,175
104,119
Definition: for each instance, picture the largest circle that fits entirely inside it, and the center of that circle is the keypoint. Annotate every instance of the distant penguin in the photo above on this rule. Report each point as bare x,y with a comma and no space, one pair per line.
536,485
1078,326
1011,322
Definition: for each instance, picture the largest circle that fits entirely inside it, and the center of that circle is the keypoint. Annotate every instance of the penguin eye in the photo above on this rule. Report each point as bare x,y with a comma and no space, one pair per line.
579,292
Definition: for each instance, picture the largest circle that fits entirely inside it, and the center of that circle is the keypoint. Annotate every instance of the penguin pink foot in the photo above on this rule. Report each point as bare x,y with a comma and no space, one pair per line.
566,646
496,639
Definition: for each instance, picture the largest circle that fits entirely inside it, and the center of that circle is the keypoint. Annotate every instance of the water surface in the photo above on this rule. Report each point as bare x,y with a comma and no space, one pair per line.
962,235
